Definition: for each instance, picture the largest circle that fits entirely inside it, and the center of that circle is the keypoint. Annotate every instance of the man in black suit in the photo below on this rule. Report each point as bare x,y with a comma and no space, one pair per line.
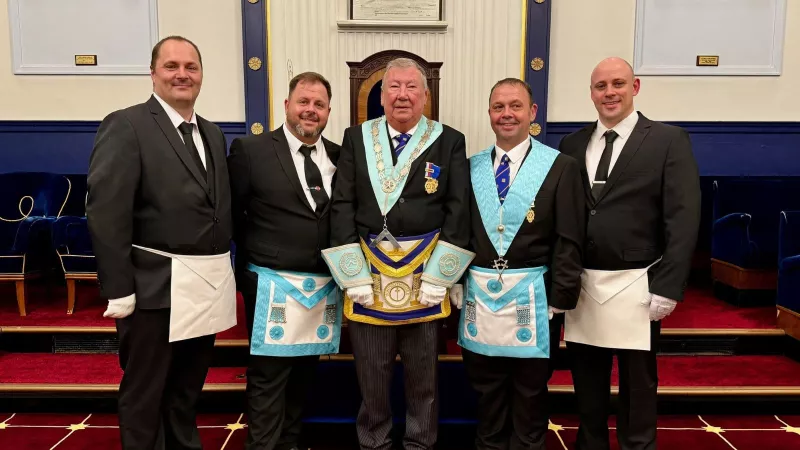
399,224
528,221
643,200
158,209
281,184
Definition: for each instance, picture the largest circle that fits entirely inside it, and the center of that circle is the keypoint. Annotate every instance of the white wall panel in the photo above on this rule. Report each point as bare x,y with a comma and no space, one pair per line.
481,45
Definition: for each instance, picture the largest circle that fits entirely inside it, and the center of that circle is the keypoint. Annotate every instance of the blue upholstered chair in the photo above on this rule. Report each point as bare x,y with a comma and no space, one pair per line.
789,268
29,203
744,237
73,244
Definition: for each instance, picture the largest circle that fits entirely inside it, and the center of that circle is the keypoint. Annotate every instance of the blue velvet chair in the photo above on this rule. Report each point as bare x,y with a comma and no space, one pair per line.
29,203
744,237
73,244
789,272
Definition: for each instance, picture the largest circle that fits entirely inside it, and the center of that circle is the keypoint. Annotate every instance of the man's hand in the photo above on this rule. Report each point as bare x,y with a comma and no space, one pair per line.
120,308
430,294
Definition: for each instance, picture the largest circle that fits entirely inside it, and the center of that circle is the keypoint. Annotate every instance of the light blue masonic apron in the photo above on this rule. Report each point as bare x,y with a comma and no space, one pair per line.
297,314
504,311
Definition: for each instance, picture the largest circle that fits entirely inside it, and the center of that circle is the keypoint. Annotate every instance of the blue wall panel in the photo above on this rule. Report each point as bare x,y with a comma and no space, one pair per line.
61,147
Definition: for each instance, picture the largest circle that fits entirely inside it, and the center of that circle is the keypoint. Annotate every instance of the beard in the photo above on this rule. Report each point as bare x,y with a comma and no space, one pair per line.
298,127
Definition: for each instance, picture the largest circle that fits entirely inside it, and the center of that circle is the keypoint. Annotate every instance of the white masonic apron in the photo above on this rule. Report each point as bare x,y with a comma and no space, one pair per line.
612,311
508,318
297,314
202,294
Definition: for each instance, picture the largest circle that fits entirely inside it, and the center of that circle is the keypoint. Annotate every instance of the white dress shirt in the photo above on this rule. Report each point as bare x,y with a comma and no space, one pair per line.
515,156
320,158
598,143
177,119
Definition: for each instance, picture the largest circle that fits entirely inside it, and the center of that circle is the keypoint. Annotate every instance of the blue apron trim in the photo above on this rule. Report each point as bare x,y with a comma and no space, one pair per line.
467,325
330,322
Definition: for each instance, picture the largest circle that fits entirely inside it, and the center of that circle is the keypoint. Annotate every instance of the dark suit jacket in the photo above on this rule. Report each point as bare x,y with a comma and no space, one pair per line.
554,239
649,208
275,226
144,188
355,212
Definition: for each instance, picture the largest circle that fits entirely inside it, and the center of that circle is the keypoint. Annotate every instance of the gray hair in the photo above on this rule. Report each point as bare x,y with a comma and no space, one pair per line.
404,63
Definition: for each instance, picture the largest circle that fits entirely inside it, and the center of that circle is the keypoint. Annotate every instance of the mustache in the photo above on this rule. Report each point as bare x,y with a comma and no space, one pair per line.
310,116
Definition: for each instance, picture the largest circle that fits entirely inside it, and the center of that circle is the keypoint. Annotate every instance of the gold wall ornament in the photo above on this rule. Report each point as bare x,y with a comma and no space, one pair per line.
257,128
253,1
537,64
535,129
537,1
254,63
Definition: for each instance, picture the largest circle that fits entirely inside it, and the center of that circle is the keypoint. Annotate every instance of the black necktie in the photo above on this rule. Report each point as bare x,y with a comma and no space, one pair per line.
313,178
186,131
601,175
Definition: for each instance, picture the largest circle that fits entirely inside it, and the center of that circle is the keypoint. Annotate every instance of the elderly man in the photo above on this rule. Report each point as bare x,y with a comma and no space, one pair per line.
400,223
643,201
159,213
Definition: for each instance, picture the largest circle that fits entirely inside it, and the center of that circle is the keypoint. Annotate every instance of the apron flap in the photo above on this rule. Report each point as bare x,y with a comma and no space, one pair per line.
306,289
213,269
603,285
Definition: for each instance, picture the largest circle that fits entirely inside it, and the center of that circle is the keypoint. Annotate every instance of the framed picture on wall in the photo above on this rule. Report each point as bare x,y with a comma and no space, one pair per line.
396,10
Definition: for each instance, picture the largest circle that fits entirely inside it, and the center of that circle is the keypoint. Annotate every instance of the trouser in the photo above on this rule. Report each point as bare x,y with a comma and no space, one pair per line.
161,383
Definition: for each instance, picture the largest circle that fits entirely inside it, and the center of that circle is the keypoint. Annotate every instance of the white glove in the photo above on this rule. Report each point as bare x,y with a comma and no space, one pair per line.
457,295
120,308
551,311
361,295
660,307
430,294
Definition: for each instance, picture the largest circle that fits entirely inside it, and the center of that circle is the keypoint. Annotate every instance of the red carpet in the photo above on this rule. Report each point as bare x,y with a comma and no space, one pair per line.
228,431
699,310
51,310
674,371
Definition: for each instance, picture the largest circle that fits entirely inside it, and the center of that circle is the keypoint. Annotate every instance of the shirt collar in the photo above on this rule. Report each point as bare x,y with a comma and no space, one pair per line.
294,143
394,133
173,115
515,154
623,129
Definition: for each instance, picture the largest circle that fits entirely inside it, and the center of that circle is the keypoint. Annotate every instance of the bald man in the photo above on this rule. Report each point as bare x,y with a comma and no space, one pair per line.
643,213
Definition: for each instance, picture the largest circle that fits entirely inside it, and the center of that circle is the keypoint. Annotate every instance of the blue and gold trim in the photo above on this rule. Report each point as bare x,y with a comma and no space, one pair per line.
447,264
397,276
270,320
348,266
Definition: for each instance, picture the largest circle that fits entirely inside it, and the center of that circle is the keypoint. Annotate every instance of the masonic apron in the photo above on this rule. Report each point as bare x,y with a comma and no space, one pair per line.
395,267
612,310
505,311
202,294
297,314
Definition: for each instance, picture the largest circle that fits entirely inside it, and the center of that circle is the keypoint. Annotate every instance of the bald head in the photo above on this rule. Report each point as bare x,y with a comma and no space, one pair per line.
613,87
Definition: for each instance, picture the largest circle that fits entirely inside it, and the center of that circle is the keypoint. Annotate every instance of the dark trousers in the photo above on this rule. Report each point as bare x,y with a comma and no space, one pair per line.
512,401
161,383
638,384
374,349
277,387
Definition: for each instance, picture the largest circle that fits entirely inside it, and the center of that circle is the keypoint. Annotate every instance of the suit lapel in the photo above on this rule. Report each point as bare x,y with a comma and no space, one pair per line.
628,151
287,163
175,141
216,153
582,143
